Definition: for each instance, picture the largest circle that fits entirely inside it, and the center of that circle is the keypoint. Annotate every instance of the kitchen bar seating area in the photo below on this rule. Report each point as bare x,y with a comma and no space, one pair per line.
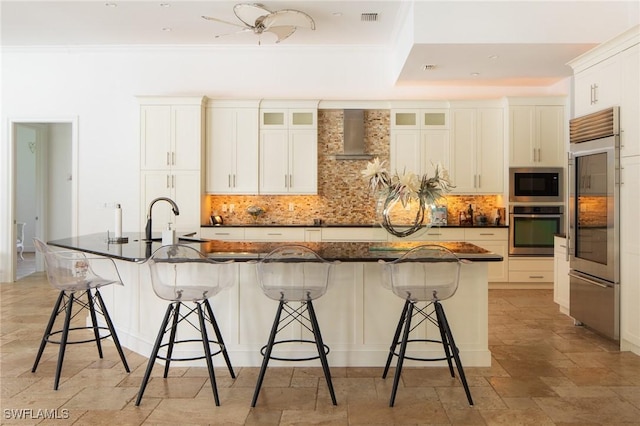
543,369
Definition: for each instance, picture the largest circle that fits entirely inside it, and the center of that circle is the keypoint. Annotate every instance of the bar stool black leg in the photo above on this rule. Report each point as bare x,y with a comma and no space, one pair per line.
172,338
320,344
112,330
446,344
47,331
442,319
216,329
63,340
267,353
94,321
207,354
154,354
395,341
403,350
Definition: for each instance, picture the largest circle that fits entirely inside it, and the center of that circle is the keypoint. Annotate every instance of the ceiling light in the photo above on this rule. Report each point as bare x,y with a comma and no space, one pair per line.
165,5
475,74
167,29
337,14
111,4
493,57
429,67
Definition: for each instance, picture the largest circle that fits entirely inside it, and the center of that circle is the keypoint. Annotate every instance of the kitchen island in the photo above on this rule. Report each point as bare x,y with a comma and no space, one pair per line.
357,314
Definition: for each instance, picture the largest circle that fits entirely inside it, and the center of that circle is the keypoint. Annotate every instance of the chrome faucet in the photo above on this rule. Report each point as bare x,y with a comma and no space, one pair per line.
174,207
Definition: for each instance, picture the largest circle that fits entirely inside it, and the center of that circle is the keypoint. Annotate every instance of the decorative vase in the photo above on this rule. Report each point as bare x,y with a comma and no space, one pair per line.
388,204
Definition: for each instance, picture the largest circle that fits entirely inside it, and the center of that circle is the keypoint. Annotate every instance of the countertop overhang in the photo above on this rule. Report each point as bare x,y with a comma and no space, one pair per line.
138,250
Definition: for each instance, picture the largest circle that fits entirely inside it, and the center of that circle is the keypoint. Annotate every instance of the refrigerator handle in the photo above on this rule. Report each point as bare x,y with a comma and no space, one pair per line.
589,280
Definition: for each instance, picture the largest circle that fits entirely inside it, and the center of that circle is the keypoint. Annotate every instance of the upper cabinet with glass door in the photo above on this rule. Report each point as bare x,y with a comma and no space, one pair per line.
436,118
419,139
288,147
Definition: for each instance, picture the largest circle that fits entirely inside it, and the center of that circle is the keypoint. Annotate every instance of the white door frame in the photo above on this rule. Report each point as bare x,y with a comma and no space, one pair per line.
8,255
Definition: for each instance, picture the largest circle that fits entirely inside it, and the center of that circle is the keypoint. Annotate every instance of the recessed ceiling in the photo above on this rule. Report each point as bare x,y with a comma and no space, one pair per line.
454,49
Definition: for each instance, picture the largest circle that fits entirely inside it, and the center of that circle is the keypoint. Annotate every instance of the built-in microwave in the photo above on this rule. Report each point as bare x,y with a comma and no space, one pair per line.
535,184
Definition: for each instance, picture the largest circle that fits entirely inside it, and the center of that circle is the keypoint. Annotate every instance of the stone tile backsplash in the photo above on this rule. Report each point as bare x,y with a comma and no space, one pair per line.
343,196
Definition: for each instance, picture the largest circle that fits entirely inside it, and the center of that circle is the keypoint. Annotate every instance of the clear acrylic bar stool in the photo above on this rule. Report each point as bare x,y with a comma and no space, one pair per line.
187,279
294,274
423,277
73,274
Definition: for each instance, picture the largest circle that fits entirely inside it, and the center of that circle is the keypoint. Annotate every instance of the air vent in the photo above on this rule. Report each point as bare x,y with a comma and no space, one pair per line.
369,17
598,125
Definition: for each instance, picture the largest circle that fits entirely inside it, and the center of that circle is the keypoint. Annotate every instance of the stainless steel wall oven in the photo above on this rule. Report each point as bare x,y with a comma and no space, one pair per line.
593,221
532,228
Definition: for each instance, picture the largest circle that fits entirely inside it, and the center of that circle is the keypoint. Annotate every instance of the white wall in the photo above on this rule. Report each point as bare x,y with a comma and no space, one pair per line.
99,86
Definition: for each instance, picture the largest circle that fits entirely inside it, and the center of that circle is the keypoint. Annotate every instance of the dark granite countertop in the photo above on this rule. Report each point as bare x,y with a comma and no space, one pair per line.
334,225
137,251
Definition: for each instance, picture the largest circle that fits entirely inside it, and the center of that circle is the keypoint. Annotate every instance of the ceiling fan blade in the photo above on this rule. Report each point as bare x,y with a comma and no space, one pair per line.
243,30
249,13
289,17
281,31
210,18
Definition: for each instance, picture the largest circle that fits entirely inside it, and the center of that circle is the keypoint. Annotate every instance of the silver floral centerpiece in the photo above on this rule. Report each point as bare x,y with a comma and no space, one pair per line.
255,212
406,188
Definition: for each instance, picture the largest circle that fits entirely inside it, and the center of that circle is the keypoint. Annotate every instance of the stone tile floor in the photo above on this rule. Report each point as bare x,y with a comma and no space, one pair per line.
545,371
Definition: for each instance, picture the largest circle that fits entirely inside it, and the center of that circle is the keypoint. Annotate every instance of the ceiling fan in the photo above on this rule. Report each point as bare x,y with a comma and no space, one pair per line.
257,19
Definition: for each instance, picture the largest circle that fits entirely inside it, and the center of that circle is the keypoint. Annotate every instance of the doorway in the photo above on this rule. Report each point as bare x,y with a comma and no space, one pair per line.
45,188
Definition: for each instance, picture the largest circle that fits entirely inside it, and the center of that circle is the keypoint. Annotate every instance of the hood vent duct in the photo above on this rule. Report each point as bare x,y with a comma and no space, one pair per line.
353,136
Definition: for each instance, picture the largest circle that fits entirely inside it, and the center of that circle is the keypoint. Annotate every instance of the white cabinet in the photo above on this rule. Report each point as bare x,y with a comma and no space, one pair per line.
183,187
495,240
171,135
288,159
419,140
536,136
561,274
225,233
432,234
171,143
607,76
531,270
232,147
477,150
597,88
354,234
630,254
630,102
274,234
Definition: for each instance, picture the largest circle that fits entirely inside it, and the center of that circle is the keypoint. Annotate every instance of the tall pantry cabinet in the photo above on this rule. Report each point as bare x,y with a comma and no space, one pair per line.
609,75
171,155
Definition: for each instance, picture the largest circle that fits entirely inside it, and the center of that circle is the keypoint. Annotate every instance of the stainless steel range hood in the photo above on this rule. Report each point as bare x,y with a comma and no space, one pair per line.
353,136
